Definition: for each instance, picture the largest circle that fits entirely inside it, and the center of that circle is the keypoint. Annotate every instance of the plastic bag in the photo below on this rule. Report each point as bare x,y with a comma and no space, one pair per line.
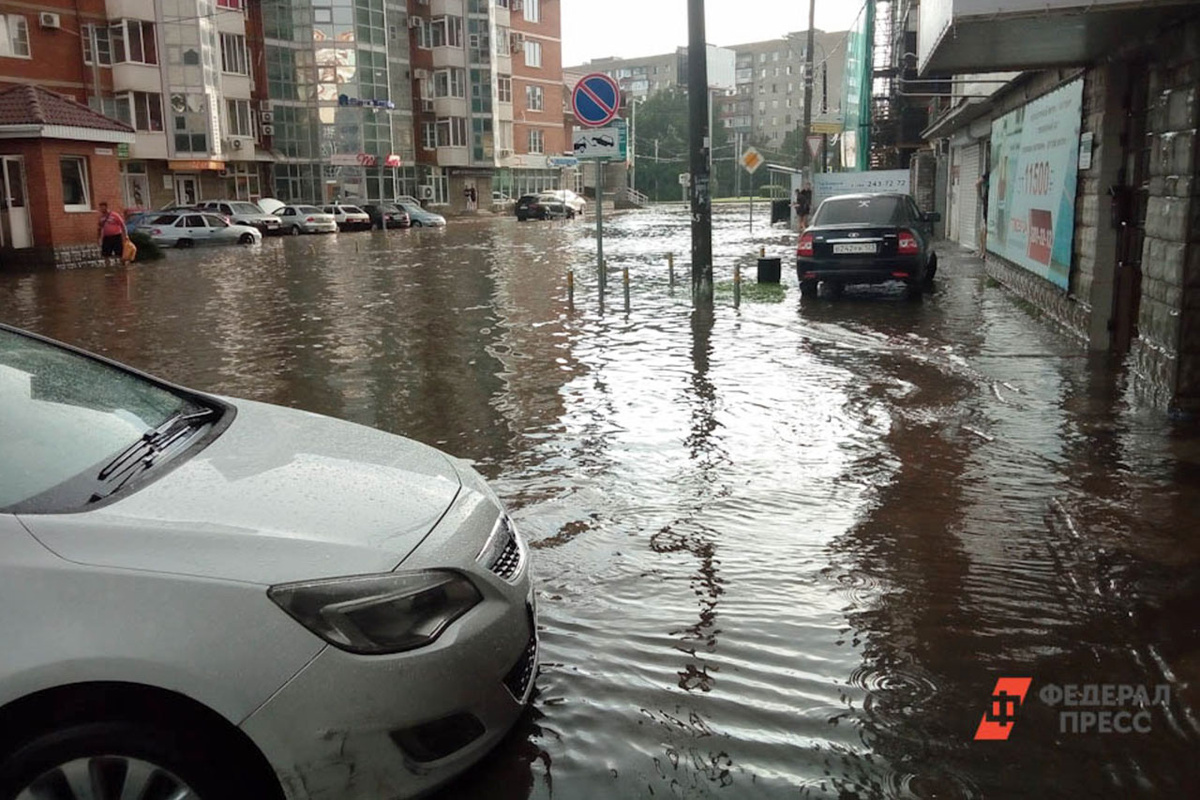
128,251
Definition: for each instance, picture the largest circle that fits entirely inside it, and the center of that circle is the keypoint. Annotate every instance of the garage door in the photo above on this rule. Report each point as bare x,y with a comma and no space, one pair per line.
968,194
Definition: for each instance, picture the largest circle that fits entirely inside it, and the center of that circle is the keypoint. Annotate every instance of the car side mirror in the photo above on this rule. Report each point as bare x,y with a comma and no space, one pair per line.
932,216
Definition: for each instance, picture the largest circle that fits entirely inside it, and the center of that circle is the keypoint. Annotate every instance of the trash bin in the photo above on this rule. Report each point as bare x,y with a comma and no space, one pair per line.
768,270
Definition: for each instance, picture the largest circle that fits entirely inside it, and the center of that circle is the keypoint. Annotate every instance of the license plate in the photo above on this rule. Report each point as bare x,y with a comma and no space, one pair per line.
854,248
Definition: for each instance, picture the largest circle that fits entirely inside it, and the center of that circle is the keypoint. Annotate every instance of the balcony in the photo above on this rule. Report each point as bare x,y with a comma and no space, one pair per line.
969,36
130,77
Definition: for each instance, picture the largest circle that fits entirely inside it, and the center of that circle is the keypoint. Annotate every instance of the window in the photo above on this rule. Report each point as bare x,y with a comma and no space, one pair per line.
537,141
452,132
233,54
76,194
449,83
428,135
424,36
447,32
533,10
103,45
145,111
238,114
133,41
533,54
229,3
14,36
533,98
504,88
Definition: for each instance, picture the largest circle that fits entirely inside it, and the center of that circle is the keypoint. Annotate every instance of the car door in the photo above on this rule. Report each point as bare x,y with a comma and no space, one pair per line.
220,231
197,230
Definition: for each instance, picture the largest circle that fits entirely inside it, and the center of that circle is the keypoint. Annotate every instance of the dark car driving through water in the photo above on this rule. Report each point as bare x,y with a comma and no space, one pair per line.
867,238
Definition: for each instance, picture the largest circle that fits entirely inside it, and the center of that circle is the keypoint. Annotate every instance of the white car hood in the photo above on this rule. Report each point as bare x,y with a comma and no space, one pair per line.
281,495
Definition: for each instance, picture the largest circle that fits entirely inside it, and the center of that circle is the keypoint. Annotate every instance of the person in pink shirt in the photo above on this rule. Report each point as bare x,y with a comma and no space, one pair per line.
112,232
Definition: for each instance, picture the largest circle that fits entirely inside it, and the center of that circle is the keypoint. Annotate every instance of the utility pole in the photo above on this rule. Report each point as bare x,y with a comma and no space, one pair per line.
808,91
700,145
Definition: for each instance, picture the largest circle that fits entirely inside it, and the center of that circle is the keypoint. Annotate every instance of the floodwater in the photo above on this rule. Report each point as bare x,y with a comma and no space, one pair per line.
783,550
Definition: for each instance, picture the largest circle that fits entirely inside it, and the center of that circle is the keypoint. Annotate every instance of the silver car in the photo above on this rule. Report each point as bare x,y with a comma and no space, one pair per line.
349,218
420,217
219,599
298,219
193,229
243,212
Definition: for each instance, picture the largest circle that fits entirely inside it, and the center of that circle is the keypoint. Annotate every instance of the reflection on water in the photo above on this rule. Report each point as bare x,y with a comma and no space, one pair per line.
781,550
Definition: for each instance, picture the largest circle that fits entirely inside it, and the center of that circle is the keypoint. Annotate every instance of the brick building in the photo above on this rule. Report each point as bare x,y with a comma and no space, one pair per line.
58,162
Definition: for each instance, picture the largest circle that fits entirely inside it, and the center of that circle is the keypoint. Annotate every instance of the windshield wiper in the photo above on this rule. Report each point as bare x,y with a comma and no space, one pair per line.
149,447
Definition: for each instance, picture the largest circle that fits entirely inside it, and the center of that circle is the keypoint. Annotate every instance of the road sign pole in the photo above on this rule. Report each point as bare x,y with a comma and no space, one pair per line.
600,220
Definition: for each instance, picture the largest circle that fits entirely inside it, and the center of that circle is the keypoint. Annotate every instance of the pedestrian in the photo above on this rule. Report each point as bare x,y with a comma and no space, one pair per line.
981,186
112,233
803,205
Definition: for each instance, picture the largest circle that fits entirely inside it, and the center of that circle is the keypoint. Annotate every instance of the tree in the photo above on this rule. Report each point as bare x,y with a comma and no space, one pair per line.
662,146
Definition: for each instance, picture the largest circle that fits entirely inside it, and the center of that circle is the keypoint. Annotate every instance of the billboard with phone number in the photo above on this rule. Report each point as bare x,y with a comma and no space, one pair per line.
1032,179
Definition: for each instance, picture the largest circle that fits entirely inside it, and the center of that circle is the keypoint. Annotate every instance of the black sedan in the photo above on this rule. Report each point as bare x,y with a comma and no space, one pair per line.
386,215
540,206
867,238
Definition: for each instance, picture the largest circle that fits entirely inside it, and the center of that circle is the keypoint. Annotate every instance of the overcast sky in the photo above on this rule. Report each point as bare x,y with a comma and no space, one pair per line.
633,28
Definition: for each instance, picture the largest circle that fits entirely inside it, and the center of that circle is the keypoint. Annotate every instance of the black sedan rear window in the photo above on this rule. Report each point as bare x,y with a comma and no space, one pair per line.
861,211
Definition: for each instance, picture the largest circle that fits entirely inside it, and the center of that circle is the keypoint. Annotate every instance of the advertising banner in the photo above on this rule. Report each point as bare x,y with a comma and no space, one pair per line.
1032,178
828,184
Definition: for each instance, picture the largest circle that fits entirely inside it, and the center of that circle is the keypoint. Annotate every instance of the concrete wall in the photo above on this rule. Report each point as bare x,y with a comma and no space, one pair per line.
1167,352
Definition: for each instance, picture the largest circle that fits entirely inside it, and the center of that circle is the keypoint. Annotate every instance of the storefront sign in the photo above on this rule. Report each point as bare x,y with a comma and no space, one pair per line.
123,150
193,166
104,151
1032,182
392,160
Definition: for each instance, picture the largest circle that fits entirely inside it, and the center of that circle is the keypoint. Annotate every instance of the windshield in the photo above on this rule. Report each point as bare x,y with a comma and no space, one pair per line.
66,414
310,210
245,208
351,210
860,211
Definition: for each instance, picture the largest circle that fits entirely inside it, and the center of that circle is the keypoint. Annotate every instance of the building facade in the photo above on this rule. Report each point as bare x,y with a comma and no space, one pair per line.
1090,164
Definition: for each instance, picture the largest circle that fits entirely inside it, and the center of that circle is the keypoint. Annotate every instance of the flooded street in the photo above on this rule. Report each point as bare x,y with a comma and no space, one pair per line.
782,550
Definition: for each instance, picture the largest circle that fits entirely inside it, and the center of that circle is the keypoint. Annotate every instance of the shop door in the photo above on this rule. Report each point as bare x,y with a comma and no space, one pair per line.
15,207
968,198
187,190
1128,201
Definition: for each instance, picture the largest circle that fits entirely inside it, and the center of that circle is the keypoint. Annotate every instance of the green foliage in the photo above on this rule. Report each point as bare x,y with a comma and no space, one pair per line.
147,250
753,291
662,147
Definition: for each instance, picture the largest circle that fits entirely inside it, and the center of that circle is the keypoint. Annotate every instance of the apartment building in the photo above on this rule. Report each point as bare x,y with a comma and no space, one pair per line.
177,71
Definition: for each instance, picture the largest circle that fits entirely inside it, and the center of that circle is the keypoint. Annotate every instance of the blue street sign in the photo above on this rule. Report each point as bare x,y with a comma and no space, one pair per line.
595,100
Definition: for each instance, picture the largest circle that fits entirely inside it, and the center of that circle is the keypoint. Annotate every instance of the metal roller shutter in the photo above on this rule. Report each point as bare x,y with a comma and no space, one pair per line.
968,197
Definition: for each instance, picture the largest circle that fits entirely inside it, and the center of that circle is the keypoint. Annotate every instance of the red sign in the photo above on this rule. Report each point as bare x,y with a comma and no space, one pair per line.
392,160
1041,235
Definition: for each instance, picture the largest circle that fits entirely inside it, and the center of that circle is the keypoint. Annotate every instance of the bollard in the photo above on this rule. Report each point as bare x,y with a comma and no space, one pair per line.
571,286
625,278
737,287
671,269
762,251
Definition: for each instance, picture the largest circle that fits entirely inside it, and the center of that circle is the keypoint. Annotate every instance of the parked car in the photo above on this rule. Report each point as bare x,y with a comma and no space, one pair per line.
574,203
867,238
191,580
349,218
196,228
386,215
408,200
540,206
421,218
298,219
243,212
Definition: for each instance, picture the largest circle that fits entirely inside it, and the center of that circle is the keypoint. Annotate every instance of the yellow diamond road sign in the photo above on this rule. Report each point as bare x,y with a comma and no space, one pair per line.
751,160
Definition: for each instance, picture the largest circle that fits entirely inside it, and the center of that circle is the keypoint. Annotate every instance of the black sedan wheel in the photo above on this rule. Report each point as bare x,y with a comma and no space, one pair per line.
246,238
808,288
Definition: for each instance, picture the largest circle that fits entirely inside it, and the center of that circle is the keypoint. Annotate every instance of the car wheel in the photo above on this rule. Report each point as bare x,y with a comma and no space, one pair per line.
808,288
570,214
246,238
914,290
930,273
295,231
184,243
416,223
119,760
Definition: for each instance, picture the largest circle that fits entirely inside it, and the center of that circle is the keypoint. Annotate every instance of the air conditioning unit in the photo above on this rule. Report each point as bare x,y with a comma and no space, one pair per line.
503,153
414,22
264,106
49,20
517,38
267,130
421,74
425,192
267,117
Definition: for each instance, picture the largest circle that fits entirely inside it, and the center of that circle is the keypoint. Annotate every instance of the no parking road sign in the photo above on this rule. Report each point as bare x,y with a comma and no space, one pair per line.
595,100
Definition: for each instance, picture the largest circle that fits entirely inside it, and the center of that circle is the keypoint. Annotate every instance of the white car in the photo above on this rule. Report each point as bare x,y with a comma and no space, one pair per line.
349,218
196,228
219,599
421,217
298,219
574,203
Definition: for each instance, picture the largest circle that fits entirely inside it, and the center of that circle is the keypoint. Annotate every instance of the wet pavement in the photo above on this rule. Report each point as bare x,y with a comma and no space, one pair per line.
783,550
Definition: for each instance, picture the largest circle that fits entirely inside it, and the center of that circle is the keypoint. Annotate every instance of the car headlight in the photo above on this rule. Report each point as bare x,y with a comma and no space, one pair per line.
374,614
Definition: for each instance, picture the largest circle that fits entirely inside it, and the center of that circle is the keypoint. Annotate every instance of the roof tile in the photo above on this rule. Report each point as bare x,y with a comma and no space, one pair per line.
33,105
